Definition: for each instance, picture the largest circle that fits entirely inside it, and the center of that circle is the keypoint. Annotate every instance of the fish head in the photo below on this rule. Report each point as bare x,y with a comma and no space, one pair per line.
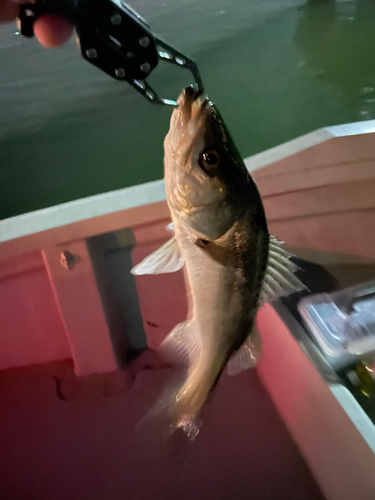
205,176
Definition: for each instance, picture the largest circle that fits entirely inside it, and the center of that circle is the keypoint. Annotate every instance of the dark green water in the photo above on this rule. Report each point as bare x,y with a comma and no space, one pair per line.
277,69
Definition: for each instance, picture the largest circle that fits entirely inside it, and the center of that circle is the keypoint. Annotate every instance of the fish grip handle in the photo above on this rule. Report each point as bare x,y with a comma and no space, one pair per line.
112,37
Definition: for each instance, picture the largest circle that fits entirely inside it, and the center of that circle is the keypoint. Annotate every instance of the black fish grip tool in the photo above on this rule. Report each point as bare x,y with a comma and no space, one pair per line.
113,37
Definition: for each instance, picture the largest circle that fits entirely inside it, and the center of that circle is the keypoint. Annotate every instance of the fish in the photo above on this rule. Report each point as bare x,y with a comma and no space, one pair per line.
231,264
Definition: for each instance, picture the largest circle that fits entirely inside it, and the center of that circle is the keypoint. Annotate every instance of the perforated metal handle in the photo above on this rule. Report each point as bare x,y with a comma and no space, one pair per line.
114,38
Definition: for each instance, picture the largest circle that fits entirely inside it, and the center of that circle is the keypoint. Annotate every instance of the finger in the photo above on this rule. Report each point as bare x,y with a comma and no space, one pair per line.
52,30
8,11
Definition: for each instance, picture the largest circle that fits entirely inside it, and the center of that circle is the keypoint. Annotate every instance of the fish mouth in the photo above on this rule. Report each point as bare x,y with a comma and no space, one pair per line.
192,106
189,120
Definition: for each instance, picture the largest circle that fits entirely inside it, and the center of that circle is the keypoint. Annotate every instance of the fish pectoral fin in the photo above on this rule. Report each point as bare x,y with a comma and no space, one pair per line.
279,279
166,259
215,251
248,355
182,345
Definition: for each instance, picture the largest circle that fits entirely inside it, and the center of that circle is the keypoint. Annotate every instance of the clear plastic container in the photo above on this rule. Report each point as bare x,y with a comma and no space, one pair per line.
342,323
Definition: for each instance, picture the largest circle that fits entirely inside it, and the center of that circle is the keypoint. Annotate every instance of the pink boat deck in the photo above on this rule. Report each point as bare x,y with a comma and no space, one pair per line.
91,446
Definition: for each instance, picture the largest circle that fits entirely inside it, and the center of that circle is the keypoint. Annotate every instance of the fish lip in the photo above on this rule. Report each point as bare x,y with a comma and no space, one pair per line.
190,119
187,123
191,92
187,99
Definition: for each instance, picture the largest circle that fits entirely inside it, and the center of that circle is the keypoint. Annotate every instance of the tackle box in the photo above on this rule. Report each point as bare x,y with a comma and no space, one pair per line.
342,323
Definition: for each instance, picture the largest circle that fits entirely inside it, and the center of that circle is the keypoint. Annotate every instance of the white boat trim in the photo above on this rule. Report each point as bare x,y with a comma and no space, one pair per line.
282,151
152,192
80,210
356,413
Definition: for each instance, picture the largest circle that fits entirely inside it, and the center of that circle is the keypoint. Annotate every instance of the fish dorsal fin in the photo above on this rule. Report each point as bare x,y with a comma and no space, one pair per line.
166,259
279,279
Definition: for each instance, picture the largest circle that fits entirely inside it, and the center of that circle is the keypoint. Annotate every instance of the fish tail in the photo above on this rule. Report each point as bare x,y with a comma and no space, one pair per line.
191,397
196,372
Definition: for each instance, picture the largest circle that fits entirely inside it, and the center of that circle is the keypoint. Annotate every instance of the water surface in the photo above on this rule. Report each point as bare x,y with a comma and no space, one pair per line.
276,68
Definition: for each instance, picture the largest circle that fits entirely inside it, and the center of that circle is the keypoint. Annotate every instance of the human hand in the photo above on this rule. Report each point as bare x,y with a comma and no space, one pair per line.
50,30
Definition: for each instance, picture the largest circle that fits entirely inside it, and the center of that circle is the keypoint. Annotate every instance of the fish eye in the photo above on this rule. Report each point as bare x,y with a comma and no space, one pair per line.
209,161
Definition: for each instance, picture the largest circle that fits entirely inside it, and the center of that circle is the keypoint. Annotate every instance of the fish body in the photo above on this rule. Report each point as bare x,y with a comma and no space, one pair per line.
231,263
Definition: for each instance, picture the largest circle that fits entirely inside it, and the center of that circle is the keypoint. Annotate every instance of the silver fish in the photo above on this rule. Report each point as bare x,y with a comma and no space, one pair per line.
232,265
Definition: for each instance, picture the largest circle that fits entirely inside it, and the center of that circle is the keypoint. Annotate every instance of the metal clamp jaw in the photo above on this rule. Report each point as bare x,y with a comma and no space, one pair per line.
113,37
